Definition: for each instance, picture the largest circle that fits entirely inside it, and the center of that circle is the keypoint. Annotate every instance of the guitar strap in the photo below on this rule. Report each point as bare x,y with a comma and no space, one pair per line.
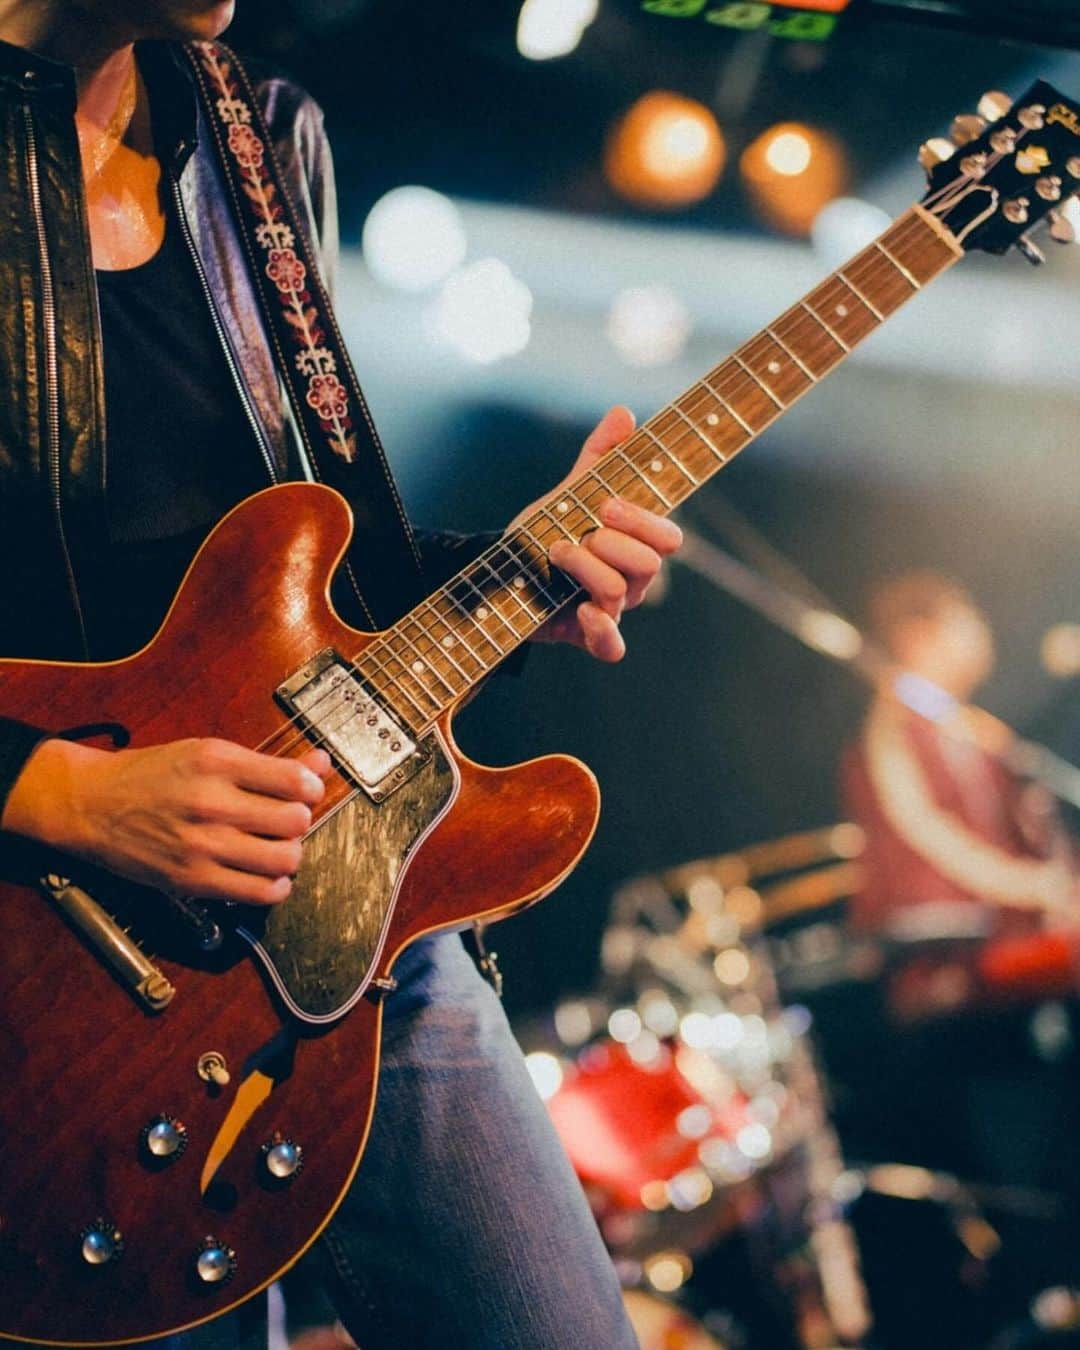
332,419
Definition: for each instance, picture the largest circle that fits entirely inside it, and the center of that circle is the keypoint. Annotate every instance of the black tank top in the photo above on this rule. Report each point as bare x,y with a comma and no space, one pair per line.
179,449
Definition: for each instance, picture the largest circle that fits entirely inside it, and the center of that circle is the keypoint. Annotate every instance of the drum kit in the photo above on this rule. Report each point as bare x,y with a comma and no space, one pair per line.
689,1099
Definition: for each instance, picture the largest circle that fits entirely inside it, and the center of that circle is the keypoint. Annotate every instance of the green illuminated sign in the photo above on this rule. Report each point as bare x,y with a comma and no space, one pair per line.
748,15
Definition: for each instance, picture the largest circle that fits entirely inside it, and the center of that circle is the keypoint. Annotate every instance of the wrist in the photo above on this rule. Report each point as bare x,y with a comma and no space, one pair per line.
45,803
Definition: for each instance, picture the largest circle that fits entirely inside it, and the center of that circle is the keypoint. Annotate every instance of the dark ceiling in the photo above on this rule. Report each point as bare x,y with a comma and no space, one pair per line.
438,94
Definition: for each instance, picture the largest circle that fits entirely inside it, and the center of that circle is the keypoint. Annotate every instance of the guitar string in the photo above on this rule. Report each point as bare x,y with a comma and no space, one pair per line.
544,533
901,233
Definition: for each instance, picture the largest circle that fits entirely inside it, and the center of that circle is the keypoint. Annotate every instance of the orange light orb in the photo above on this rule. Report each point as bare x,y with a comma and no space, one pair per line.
791,171
666,150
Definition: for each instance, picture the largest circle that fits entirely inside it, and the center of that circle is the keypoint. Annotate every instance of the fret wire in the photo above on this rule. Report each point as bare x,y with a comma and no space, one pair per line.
670,454
784,347
523,601
518,637
660,496
491,609
396,680
759,381
399,630
553,515
524,570
696,430
453,628
818,319
373,652
470,618
440,646
859,295
896,263
727,407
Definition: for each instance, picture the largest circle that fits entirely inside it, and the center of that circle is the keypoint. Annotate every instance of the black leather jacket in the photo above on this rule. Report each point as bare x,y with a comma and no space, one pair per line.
52,414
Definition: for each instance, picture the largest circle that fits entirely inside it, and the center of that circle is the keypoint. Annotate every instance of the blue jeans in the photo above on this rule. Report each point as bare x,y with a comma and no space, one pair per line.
466,1228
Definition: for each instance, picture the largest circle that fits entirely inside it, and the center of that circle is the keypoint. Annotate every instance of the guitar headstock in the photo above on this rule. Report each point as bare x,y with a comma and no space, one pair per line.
1005,170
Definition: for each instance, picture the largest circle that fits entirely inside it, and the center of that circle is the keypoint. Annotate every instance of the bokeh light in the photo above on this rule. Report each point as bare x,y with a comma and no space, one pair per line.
413,238
665,151
546,1073
790,172
483,312
551,28
648,325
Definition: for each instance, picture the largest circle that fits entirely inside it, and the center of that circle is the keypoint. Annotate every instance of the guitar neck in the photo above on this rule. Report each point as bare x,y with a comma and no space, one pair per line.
446,645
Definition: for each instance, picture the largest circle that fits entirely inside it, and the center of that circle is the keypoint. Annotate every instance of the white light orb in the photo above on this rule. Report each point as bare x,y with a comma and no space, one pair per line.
546,1073
844,226
550,28
413,238
648,325
789,153
483,312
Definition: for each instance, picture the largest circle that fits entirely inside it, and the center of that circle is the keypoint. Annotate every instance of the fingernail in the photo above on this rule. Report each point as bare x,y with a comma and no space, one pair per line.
312,781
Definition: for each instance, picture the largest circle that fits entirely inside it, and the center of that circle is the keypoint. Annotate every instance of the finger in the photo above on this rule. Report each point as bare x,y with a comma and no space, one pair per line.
657,531
601,633
606,586
615,425
257,814
636,562
318,761
212,881
247,853
274,777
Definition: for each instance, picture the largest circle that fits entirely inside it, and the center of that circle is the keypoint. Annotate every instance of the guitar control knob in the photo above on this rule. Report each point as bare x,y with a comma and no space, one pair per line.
282,1158
100,1243
215,1262
164,1139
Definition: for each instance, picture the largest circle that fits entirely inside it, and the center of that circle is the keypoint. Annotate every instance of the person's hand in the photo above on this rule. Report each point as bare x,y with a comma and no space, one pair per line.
204,818
614,563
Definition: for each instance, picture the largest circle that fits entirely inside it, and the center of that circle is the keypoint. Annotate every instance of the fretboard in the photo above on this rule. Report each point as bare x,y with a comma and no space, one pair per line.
434,655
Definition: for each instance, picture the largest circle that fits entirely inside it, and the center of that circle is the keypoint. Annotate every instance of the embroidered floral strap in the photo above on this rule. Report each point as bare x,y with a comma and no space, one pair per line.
331,415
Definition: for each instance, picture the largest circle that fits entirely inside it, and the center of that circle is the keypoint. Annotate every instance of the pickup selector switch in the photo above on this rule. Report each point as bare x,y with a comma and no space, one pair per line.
163,1139
282,1158
215,1262
100,1243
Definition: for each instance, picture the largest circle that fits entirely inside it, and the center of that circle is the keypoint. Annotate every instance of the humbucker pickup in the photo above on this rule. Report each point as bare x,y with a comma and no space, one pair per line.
338,712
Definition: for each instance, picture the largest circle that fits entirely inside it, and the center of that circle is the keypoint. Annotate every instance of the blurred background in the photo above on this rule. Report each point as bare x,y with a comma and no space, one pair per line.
551,206
948,441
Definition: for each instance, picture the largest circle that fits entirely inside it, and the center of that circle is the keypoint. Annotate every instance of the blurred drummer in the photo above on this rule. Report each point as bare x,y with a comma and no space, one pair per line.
957,845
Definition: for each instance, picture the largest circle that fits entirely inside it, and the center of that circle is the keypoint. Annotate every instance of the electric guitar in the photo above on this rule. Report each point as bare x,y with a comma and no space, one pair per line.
188,1087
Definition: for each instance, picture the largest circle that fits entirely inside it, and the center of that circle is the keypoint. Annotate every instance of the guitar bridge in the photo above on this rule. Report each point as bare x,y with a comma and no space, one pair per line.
339,713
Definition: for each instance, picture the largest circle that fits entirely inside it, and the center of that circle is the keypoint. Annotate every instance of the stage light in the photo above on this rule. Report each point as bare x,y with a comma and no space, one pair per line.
789,153
550,28
573,1023
648,325
732,967
791,171
668,1271
1060,650
623,1025
483,311
413,238
844,226
754,1141
666,150
546,1073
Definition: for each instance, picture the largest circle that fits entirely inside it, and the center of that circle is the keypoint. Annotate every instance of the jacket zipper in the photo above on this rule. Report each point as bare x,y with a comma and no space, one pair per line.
52,375
223,338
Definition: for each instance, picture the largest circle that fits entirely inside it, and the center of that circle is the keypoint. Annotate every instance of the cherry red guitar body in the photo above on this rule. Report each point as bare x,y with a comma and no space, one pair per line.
290,1005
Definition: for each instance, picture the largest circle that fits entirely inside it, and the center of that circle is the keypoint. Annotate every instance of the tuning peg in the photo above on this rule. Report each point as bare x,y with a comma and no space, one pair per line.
967,127
1061,228
1030,250
935,151
994,105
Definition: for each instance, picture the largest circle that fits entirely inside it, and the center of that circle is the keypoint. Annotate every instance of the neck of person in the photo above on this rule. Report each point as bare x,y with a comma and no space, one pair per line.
100,53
